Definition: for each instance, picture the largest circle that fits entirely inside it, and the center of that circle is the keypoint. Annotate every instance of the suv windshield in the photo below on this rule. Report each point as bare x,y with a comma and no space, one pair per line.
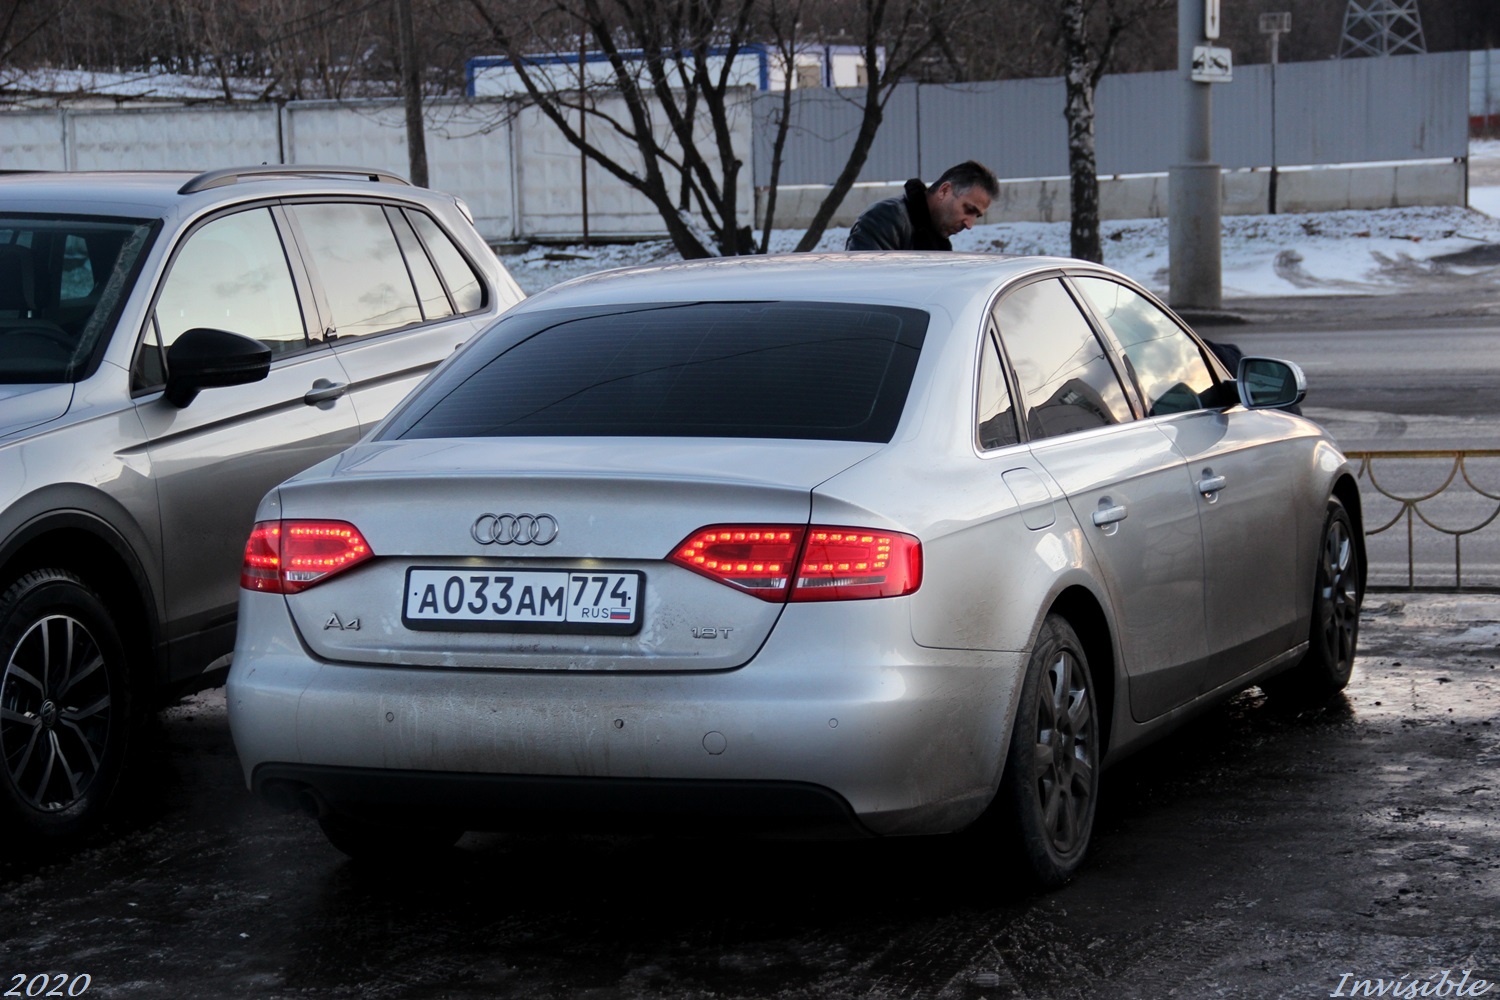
819,370
61,281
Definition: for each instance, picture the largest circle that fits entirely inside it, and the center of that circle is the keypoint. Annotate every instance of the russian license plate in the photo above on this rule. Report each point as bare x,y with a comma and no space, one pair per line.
534,600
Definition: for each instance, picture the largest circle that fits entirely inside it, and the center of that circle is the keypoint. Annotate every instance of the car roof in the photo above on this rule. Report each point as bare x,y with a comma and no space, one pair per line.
899,278
157,193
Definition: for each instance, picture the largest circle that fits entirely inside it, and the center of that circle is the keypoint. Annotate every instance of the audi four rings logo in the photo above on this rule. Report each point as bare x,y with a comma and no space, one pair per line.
514,529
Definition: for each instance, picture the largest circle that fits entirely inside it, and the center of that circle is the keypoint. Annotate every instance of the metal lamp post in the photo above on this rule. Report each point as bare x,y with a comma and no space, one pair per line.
1274,25
1196,188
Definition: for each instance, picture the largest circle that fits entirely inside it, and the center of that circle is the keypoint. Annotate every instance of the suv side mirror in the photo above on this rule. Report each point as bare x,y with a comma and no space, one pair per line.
205,359
1266,383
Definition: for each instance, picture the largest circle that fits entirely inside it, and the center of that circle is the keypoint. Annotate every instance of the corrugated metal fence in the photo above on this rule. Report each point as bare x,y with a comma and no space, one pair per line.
1338,111
524,181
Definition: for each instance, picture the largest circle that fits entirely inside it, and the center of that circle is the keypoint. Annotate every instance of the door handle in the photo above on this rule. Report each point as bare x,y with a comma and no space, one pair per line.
1109,515
1209,486
324,391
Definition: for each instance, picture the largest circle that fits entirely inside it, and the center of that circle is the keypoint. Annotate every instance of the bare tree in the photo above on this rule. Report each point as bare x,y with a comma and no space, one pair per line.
20,22
783,20
1084,65
1089,32
904,33
672,66
319,50
411,93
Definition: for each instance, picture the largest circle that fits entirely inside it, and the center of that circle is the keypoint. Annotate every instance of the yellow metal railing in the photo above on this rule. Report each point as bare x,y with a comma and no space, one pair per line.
1455,474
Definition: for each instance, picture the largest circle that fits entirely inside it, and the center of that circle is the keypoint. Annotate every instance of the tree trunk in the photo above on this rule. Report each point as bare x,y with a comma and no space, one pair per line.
1083,179
411,89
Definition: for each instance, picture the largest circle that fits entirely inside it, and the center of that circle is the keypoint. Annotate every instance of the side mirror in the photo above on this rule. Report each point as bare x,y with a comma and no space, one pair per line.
205,359
1266,383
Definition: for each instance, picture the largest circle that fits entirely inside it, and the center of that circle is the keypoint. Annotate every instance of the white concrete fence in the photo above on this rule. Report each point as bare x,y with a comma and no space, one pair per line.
1144,196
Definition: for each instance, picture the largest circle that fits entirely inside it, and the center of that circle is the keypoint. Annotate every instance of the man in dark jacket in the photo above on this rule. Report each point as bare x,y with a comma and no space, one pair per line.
924,217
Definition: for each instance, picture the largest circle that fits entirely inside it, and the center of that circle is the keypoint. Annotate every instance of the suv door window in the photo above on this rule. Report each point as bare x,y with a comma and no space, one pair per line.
365,282
1167,364
430,291
458,274
230,274
1065,376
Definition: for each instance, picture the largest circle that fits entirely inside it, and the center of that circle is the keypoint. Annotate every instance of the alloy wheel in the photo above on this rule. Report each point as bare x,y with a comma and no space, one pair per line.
1338,603
55,713
1065,753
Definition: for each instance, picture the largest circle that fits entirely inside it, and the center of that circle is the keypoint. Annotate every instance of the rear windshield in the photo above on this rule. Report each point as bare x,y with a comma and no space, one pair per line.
62,281
830,371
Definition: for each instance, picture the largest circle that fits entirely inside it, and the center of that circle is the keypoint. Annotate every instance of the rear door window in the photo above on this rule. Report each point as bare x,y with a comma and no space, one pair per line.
430,291
1064,372
997,418
366,286
459,276
826,371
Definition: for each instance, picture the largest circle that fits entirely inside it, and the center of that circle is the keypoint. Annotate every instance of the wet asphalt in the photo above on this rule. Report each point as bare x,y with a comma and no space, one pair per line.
1256,853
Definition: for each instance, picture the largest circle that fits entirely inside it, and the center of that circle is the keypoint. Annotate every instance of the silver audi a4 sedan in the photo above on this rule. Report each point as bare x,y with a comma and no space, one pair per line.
873,543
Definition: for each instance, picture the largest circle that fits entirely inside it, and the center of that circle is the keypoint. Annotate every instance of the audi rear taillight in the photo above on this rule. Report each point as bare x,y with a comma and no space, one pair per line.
757,559
848,564
286,557
801,563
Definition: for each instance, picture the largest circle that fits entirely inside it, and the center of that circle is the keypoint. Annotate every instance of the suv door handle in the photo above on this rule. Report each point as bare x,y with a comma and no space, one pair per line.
1109,515
1210,485
324,391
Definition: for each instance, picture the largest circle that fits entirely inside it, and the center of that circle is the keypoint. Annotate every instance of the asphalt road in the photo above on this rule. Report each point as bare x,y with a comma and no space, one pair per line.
1407,372
1414,357
1255,854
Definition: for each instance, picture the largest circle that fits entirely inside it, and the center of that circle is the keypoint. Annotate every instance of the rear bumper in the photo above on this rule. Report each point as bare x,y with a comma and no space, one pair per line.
839,715
542,802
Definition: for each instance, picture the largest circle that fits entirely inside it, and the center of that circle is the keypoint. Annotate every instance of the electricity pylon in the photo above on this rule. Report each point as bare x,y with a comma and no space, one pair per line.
1382,28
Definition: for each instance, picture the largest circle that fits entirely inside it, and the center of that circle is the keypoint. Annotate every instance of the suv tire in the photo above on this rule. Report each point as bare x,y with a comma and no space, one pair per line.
64,704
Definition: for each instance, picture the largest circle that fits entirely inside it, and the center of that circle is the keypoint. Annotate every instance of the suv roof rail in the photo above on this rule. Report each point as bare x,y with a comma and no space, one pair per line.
233,175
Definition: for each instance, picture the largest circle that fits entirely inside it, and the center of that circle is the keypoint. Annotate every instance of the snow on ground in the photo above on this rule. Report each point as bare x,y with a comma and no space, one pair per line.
1324,253
1484,176
143,86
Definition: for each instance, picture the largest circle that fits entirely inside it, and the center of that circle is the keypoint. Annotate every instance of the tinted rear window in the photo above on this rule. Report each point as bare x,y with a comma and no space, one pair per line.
828,371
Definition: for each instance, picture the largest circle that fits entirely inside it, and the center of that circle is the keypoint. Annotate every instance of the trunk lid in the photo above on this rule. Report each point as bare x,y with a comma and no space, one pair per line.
610,509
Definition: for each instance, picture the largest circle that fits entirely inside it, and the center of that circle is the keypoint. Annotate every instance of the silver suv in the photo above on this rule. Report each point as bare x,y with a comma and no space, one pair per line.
172,346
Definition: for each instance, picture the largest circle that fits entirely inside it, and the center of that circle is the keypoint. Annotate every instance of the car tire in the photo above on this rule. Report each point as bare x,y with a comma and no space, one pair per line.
386,843
64,704
1332,639
1050,785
